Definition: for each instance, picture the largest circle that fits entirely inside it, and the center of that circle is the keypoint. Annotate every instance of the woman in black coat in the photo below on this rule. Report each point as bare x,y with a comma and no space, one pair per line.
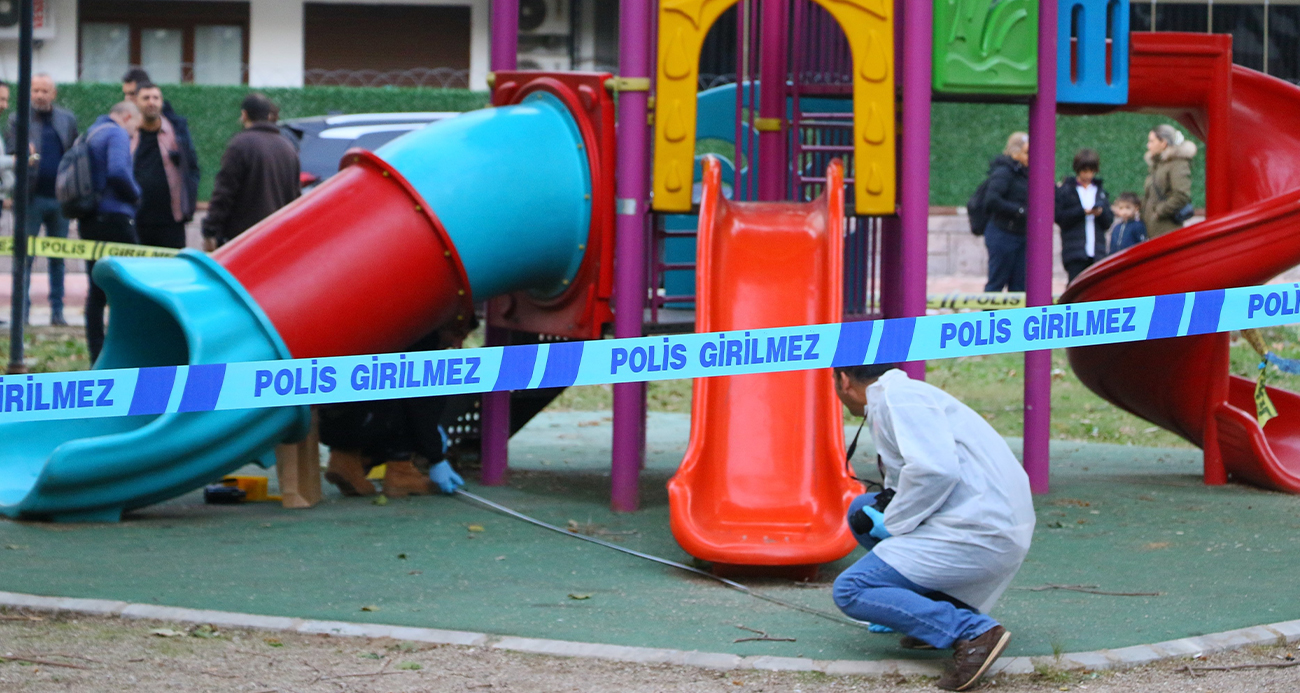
1084,215
1004,200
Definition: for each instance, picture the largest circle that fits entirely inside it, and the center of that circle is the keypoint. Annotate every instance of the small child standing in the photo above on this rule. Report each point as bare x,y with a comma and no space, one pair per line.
1129,229
1083,213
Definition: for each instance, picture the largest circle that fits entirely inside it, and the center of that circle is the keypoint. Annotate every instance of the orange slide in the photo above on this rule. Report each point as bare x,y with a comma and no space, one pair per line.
764,481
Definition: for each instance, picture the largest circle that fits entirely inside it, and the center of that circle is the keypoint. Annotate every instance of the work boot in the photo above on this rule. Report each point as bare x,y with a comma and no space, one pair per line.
972,658
402,479
910,643
347,471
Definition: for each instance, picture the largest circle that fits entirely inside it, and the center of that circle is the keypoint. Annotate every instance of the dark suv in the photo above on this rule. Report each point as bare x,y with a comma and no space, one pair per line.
322,140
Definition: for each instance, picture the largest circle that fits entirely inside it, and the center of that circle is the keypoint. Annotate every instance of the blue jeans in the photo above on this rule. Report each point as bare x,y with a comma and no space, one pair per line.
873,591
1006,259
45,211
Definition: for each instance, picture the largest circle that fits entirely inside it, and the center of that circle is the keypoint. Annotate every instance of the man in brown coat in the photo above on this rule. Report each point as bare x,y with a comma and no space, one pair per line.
258,175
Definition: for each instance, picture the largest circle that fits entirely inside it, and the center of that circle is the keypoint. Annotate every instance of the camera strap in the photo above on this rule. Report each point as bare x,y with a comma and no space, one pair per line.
848,455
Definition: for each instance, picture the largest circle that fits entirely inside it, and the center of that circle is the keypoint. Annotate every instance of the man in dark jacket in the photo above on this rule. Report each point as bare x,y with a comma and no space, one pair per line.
167,169
53,130
1005,200
258,175
1083,213
109,140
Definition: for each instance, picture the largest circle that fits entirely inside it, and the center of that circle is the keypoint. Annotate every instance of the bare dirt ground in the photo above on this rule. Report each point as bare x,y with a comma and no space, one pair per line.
42,652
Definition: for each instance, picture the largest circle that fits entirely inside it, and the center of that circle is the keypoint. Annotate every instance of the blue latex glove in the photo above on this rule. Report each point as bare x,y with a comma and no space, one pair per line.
878,530
877,628
445,477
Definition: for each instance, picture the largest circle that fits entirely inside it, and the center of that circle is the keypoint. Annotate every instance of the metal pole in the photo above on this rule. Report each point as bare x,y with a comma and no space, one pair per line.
771,102
634,61
1038,249
505,34
18,306
914,193
494,424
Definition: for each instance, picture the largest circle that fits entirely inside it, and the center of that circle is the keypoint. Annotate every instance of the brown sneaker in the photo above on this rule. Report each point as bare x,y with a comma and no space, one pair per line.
910,643
972,658
347,471
402,479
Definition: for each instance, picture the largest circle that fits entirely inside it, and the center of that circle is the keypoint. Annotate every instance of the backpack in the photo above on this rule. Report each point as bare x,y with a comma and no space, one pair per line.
977,210
74,185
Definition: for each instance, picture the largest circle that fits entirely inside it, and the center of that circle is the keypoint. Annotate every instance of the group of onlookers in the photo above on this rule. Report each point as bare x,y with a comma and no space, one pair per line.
145,175
1085,212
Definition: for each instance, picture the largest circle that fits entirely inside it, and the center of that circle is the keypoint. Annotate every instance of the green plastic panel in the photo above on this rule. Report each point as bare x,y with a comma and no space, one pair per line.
986,47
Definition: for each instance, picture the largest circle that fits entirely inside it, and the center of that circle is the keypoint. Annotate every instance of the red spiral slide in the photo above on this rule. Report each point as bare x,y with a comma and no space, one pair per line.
1250,123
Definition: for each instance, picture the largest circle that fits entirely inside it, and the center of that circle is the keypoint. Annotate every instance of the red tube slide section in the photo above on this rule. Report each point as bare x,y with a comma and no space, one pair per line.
764,481
364,269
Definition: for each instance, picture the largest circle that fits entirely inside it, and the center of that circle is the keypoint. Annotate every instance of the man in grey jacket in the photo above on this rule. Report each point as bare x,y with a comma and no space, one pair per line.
53,130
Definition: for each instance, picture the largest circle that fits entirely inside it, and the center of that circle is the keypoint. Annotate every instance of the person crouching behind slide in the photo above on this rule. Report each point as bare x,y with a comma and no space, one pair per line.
364,435
955,532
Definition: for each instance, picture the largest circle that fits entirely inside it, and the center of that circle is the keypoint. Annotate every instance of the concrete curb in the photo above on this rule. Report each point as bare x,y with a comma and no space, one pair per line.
1137,655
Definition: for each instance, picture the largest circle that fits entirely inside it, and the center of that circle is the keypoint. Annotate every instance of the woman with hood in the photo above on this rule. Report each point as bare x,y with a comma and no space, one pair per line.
1005,201
1169,186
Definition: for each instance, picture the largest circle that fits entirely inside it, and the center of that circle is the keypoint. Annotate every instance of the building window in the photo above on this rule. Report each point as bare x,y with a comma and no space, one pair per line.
105,50
175,41
423,45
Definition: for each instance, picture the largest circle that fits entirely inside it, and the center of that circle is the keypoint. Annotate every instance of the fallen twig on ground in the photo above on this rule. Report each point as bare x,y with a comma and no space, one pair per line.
1259,665
762,636
1088,589
42,662
21,618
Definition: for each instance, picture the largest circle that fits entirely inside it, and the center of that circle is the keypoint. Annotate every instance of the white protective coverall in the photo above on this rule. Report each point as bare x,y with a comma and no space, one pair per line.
962,518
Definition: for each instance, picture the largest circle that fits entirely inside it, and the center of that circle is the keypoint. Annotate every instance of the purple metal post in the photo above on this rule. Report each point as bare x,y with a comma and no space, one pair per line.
505,35
494,422
634,61
914,191
771,100
1038,249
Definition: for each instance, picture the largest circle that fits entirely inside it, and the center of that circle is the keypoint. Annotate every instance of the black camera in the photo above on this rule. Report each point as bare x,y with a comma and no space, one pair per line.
861,523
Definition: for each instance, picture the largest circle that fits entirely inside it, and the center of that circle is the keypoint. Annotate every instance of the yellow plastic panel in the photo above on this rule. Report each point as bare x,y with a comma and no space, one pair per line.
869,26
683,24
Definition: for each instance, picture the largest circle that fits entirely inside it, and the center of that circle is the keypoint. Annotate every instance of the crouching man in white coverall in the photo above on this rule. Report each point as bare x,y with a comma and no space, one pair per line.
952,537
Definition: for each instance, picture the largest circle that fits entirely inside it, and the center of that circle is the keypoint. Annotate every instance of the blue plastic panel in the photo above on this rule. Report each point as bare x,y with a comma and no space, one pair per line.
1081,59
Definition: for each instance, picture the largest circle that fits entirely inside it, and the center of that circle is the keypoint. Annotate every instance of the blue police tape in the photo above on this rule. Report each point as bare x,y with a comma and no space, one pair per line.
200,388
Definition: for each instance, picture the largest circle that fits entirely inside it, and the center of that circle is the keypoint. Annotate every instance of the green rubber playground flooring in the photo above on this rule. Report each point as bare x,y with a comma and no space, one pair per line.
1122,518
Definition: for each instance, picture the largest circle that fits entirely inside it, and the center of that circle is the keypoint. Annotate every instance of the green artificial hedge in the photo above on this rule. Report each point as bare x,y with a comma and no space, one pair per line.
213,111
964,136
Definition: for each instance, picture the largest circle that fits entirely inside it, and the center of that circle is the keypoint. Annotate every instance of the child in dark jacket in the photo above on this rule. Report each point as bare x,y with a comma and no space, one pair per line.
1128,230
1083,213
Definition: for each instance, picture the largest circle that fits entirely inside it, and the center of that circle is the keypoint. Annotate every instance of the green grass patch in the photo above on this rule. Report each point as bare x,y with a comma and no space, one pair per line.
994,387
50,349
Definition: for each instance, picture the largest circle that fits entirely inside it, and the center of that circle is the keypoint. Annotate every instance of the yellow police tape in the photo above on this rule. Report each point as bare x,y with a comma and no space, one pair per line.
74,249
961,300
